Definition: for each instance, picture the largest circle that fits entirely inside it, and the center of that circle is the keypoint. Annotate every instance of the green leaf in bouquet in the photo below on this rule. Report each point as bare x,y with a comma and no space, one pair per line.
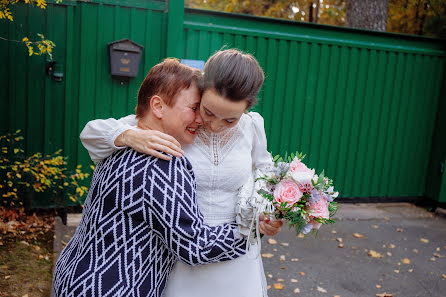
332,208
295,220
266,194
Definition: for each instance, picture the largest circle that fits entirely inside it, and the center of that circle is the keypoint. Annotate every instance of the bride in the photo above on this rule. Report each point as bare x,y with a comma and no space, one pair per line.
226,150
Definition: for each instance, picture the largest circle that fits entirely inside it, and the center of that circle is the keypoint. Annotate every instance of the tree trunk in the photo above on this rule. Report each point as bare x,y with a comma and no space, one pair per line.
367,14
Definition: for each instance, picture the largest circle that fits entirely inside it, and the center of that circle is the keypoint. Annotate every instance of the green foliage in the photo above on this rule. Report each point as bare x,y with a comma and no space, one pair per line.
39,47
21,175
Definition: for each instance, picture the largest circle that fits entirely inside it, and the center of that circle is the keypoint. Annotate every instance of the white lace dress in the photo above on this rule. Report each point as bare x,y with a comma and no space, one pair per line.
222,163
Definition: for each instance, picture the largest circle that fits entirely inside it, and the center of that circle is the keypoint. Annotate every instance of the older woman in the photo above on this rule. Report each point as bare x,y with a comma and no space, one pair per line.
141,213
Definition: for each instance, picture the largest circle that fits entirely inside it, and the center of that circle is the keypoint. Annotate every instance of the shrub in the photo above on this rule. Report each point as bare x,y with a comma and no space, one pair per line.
24,175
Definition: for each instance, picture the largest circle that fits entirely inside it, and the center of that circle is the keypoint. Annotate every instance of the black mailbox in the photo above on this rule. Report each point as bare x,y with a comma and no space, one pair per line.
124,58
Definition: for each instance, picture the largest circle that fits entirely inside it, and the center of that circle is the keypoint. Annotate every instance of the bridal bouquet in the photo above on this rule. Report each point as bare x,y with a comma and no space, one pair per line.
292,192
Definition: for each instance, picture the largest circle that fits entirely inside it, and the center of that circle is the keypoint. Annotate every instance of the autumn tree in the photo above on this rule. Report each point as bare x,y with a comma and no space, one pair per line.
330,11
367,14
422,17
36,47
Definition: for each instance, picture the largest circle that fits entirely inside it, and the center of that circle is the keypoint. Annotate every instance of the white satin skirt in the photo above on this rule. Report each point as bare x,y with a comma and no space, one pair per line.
242,277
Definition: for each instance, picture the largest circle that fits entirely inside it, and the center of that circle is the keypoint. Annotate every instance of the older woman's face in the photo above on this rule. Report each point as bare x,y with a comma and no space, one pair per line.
183,118
219,113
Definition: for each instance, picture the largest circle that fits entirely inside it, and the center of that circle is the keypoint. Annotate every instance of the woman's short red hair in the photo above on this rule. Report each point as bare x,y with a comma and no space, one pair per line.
166,80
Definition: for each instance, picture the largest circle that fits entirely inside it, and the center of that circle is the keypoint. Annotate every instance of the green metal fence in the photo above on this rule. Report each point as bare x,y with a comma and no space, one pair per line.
360,104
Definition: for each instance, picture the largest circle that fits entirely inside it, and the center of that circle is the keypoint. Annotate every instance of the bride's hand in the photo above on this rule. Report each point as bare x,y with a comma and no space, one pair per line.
149,142
268,227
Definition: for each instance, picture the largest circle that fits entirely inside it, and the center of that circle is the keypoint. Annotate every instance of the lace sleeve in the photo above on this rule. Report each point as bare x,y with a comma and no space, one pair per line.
250,203
261,158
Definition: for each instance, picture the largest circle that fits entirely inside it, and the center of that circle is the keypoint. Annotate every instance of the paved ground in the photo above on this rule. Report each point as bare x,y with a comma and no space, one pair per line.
399,249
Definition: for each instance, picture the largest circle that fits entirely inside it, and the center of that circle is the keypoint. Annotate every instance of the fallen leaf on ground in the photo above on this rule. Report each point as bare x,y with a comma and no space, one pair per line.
410,270
282,267
322,290
405,261
438,255
424,240
272,241
294,259
333,231
415,251
357,235
267,255
282,258
437,249
337,296
339,239
392,246
284,244
7,277
389,254
278,286
280,280
443,276
433,259
26,295
399,229
341,245
300,235
270,275
302,273
274,250
378,286
374,254
384,295
293,280
396,271
268,287
375,226
296,291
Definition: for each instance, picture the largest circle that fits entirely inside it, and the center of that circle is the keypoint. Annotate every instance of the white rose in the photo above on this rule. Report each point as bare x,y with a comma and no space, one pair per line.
302,178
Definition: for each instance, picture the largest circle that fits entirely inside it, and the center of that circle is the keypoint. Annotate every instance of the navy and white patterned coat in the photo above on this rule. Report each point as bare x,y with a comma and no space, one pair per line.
140,217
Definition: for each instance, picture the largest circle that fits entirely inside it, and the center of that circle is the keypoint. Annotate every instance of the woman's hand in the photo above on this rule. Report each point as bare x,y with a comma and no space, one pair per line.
149,142
268,227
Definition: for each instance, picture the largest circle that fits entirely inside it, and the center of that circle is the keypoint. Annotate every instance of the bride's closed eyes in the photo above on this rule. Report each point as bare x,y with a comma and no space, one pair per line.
210,114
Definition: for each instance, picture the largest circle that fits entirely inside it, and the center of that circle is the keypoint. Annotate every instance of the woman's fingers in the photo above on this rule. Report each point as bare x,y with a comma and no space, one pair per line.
157,154
270,228
167,147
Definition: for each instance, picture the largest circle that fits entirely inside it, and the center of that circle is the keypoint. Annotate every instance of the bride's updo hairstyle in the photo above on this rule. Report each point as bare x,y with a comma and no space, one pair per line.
234,75
166,80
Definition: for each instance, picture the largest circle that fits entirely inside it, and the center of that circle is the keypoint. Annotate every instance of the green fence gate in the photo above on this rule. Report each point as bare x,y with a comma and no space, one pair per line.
363,105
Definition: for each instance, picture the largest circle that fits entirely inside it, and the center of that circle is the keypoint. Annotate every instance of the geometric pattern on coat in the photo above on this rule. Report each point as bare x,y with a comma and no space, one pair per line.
139,218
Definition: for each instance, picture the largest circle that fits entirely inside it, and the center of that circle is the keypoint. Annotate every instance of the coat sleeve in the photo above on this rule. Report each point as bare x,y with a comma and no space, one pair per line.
98,136
172,211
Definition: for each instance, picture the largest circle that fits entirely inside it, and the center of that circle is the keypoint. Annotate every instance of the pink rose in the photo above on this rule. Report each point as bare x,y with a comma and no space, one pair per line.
318,209
287,191
297,166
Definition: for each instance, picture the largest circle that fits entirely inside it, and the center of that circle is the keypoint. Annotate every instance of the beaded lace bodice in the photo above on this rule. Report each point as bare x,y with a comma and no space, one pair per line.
224,162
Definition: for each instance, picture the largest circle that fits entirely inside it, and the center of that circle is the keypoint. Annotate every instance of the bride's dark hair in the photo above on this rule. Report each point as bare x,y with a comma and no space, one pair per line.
234,75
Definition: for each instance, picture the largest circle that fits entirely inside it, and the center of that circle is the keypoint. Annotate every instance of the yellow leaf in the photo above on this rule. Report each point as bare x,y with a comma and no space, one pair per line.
16,151
357,235
405,261
278,286
424,240
267,255
272,241
374,254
